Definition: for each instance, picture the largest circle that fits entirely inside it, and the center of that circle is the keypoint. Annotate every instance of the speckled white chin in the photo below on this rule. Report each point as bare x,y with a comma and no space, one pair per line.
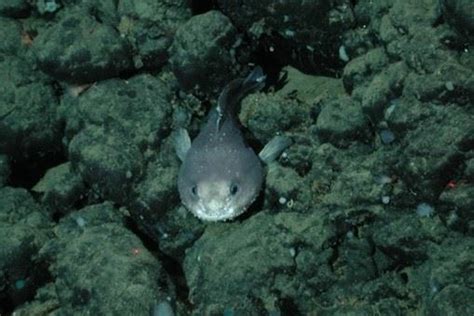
220,214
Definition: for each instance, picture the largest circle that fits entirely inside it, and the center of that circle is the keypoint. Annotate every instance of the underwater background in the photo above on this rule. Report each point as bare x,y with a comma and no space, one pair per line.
369,212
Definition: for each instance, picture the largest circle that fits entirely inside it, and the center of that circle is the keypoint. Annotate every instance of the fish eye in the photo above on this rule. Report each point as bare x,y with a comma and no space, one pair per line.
234,188
194,190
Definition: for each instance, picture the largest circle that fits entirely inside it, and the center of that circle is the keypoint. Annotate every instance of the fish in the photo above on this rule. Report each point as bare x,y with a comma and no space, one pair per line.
221,175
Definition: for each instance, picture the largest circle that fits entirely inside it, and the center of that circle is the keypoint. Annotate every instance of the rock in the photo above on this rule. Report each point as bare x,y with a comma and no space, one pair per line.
107,162
408,240
60,189
432,151
453,300
4,170
305,34
224,269
24,229
203,52
381,89
29,127
361,69
306,87
15,8
342,121
451,83
138,108
458,14
460,200
94,257
155,207
282,186
265,115
80,49
150,27
10,32
469,172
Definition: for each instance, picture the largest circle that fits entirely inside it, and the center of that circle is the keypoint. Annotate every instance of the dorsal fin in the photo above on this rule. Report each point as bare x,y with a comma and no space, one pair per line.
235,91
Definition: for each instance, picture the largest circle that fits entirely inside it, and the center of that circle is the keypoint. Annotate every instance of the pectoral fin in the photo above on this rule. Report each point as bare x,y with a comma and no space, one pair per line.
182,143
274,148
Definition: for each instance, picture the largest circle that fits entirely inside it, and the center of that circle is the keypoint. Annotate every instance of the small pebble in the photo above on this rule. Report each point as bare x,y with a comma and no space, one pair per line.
292,252
393,105
449,86
282,200
80,221
163,309
382,179
20,284
387,136
424,210
343,54
385,199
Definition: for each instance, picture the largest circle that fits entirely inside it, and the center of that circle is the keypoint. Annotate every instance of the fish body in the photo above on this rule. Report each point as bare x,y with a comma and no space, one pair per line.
221,175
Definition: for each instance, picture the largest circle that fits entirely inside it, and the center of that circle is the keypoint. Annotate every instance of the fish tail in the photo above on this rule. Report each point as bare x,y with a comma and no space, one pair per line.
237,89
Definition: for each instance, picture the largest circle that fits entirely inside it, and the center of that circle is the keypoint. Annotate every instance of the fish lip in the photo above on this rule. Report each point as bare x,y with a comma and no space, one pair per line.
224,214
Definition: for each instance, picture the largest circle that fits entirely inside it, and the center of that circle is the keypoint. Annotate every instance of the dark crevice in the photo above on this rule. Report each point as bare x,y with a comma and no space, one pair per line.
19,291
439,21
26,173
172,267
288,307
201,6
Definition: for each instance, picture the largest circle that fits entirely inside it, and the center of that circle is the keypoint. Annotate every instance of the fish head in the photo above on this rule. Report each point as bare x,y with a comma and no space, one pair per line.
220,184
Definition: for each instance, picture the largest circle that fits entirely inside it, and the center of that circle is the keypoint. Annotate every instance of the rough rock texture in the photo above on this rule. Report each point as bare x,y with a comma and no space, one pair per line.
254,274
60,189
15,8
24,229
10,32
123,122
28,122
88,50
303,33
149,26
369,211
203,52
101,267
4,169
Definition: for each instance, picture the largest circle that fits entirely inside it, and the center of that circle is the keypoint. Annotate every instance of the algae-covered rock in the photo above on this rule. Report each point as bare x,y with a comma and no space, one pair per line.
24,229
203,52
434,150
453,300
155,206
360,69
266,115
4,169
305,34
150,26
249,267
139,109
101,267
106,161
29,126
60,189
15,8
342,121
10,32
80,49
470,169
458,14
409,240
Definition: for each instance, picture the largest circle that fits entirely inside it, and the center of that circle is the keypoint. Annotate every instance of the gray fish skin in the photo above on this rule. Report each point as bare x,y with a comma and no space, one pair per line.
221,175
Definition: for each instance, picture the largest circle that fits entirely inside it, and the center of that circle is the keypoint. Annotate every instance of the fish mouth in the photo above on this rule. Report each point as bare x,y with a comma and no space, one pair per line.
215,213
